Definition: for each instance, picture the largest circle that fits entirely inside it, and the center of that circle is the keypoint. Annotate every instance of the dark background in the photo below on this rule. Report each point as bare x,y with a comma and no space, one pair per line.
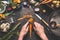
24,10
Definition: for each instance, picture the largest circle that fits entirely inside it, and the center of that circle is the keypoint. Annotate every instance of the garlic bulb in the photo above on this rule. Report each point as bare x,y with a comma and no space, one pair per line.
32,1
5,27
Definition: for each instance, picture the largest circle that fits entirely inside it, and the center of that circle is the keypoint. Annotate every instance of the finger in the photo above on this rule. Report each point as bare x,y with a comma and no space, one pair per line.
25,26
35,24
34,28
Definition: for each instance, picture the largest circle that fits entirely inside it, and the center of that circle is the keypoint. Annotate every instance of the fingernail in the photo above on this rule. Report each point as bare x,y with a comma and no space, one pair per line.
27,22
34,22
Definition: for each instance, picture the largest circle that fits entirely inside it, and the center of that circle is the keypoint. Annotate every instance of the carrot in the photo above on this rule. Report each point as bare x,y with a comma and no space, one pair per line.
25,17
45,1
2,16
16,1
30,26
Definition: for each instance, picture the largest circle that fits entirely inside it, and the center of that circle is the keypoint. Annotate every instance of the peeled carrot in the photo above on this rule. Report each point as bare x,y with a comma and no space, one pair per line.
30,26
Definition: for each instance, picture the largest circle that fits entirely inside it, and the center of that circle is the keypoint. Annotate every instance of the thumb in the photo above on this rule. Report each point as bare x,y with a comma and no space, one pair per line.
35,24
34,28
27,28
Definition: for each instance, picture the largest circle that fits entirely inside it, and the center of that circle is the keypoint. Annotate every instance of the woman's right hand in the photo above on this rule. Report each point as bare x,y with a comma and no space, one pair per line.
39,29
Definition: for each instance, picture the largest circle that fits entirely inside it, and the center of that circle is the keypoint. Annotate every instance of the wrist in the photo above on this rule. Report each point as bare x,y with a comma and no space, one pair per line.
44,39
43,36
20,37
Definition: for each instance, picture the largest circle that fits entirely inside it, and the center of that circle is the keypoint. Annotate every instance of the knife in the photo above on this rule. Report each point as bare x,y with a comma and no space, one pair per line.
41,19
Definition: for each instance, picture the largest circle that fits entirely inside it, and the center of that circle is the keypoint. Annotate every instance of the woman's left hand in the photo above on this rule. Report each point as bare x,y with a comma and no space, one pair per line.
23,31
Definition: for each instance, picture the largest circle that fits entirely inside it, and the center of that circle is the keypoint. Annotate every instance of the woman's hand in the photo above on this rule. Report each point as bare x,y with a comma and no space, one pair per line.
39,29
23,31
